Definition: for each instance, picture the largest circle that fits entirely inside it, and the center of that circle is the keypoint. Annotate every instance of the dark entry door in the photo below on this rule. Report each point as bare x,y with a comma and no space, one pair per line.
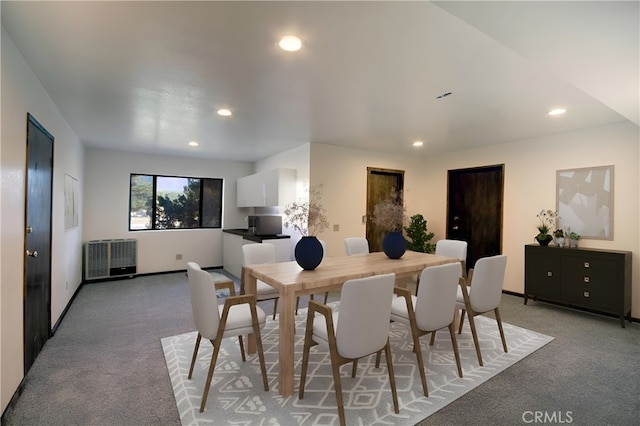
380,184
474,211
37,292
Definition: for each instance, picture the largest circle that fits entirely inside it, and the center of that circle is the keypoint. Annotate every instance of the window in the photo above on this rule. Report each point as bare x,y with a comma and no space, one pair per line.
170,202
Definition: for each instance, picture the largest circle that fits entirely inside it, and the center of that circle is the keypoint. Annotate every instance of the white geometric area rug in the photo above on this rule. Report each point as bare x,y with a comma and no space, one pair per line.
237,395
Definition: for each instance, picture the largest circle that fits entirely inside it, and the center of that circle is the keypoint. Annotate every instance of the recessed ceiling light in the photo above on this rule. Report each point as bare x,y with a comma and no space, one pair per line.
290,43
193,143
224,112
418,143
557,111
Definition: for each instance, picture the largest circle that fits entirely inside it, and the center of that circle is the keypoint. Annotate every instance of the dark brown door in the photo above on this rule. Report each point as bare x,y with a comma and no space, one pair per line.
474,210
380,184
37,291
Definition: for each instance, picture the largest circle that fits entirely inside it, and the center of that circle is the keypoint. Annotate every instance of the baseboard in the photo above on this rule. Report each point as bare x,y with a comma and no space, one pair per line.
513,293
178,270
118,278
12,403
64,312
564,305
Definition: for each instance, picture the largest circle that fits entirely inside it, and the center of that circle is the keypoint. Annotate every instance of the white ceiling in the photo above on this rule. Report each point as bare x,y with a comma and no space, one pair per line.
148,76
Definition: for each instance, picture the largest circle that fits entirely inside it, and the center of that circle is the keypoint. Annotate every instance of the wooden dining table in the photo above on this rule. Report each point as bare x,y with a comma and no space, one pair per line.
292,281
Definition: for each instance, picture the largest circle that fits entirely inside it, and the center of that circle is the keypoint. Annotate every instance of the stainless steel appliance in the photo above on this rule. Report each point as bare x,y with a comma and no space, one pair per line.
265,224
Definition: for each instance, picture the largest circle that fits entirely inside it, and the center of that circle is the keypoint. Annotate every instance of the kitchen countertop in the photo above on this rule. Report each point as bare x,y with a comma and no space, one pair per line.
244,233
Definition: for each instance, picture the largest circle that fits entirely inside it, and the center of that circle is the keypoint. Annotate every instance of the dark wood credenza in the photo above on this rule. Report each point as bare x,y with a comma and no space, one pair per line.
598,280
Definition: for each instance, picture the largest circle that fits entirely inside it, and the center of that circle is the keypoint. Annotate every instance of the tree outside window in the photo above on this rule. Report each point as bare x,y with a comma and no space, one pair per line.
170,202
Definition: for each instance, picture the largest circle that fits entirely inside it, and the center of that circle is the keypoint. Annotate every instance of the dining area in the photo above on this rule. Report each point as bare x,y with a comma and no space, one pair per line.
291,282
374,302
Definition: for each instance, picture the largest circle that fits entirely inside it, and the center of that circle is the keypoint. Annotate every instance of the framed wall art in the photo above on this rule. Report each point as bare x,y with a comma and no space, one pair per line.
70,202
585,201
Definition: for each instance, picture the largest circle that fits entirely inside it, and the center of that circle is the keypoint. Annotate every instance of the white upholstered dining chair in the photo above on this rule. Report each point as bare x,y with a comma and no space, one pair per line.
239,315
451,248
256,254
431,310
482,295
454,248
356,245
359,329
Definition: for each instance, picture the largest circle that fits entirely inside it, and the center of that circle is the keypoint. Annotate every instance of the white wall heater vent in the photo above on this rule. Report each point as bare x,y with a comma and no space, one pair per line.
110,259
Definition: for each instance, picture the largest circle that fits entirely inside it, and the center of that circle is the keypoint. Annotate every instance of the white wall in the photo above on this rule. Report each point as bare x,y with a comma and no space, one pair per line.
298,159
530,170
343,174
106,206
23,93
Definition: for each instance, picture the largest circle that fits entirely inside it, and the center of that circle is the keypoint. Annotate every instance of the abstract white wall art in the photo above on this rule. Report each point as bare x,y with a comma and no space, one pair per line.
585,201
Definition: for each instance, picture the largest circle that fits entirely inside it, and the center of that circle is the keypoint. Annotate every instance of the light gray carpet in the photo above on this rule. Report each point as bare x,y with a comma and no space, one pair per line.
105,365
237,394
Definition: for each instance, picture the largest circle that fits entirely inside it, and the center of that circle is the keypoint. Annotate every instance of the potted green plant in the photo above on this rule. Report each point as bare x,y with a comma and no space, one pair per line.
418,237
558,234
547,219
573,239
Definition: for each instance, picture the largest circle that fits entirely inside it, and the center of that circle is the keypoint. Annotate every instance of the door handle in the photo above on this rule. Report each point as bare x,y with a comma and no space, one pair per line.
32,253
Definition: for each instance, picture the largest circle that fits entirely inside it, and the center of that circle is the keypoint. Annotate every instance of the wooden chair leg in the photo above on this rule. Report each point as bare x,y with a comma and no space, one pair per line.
305,353
195,355
275,307
433,338
212,365
392,377
326,296
244,358
462,312
335,367
418,351
454,343
258,336
472,323
378,355
354,368
499,320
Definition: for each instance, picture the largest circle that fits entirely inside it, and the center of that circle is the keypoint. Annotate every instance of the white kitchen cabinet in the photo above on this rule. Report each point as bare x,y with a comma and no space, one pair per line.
232,253
275,187
243,191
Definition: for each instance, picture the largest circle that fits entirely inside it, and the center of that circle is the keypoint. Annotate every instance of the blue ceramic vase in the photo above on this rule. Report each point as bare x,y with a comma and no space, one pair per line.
394,245
309,253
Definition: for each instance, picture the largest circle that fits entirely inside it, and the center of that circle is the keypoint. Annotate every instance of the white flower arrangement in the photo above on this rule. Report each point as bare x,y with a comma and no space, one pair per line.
307,216
390,214
547,220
